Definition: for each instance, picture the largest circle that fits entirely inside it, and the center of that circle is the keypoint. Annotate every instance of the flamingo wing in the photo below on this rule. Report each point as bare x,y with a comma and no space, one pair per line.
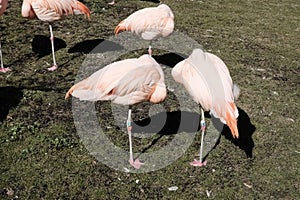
124,82
100,85
51,10
149,23
187,74
137,86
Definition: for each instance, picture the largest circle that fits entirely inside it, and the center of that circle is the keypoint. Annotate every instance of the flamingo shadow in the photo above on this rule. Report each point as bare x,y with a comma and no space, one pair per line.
174,122
183,121
41,45
246,130
95,46
170,59
10,97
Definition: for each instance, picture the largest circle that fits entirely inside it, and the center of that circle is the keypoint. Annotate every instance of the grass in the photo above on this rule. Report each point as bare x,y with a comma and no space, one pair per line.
42,157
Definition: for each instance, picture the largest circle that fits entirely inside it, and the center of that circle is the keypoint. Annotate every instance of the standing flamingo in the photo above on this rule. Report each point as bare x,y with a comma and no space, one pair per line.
207,79
149,23
3,5
50,11
126,82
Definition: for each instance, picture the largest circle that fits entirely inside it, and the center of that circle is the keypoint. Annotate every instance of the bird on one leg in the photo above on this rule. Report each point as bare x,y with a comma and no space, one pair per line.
125,82
53,10
54,67
208,81
203,127
135,163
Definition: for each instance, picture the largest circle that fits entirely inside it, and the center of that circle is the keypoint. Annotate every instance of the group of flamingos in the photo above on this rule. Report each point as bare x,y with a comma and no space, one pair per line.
131,81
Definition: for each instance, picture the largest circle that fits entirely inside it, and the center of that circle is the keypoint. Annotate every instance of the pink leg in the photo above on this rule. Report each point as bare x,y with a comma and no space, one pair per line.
199,163
54,67
135,163
3,69
150,50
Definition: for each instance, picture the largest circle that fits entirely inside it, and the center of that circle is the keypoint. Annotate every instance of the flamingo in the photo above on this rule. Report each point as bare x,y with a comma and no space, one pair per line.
125,82
3,5
207,79
149,23
50,11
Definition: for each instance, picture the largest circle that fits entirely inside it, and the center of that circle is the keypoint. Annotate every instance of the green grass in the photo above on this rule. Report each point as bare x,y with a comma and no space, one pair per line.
42,157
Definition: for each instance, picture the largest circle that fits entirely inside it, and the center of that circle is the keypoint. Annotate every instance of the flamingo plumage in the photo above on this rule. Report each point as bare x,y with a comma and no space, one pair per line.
208,81
149,23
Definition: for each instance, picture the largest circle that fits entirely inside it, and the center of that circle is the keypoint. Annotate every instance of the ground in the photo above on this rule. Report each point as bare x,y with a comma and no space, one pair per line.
42,156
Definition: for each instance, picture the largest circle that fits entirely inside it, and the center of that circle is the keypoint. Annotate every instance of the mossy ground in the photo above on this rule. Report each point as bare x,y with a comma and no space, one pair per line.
42,157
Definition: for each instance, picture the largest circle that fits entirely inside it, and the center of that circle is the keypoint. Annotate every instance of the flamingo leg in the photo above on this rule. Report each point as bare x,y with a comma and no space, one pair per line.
150,50
135,163
2,69
199,162
54,67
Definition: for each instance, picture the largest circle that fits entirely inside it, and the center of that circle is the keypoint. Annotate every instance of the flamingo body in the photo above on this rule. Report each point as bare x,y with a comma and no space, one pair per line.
124,82
207,79
52,10
149,23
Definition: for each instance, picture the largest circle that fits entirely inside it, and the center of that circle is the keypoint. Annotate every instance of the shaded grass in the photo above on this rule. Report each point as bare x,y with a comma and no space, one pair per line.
42,156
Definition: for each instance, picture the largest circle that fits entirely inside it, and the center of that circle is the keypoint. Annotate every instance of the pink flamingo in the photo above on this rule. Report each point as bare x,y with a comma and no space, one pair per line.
207,79
3,5
50,11
149,23
125,82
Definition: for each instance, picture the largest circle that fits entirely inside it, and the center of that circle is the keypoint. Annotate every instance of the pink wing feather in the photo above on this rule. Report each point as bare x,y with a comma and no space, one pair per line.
124,82
51,10
149,23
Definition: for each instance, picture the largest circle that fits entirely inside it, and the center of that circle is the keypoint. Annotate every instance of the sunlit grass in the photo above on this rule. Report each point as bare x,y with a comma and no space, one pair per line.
42,157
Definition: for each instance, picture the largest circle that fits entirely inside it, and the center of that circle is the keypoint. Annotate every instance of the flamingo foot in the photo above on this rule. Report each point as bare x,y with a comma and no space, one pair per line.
4,70
198,163
111,3
54,67
136,163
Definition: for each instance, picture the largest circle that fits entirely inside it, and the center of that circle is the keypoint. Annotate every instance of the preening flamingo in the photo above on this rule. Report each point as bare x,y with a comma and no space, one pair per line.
125,82
3,5
50,11
149,23
207,79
